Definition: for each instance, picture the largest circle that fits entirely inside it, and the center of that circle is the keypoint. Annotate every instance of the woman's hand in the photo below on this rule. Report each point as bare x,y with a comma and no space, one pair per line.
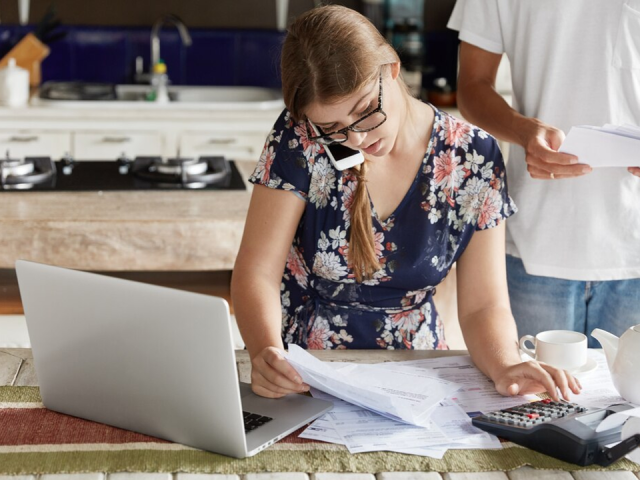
272,376
541,143
536,377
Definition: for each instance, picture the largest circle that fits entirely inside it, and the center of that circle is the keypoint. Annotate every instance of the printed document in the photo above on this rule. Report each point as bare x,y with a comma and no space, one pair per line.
401,396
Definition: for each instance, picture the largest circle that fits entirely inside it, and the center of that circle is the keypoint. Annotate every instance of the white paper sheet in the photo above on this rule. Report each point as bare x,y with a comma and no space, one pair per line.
607,146
597,387
364,431
401,395
476,392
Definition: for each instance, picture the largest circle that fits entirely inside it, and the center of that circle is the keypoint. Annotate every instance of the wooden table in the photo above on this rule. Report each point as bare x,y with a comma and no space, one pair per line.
16,368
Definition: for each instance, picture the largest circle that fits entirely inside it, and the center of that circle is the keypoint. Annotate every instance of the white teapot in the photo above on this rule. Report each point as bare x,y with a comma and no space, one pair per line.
623,358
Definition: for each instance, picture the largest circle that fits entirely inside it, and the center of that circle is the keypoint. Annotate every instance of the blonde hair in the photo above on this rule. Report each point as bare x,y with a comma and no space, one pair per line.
331,52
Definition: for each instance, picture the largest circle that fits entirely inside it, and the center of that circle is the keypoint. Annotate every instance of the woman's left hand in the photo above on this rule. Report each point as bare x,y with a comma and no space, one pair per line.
536,377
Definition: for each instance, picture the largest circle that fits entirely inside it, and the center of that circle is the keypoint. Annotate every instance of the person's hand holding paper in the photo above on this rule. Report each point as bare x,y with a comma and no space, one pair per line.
606,146
544,162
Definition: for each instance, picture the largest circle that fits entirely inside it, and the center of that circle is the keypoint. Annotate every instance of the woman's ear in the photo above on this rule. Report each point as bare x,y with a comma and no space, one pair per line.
395,70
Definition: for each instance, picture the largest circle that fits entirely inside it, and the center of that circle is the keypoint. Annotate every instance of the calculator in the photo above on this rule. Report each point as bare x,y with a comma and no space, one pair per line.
563,430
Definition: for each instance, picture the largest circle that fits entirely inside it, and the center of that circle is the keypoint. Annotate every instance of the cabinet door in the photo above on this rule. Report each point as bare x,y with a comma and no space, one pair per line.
27,143
111,145
240,146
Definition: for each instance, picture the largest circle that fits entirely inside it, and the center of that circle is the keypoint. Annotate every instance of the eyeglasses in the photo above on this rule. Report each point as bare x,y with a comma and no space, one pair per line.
370,121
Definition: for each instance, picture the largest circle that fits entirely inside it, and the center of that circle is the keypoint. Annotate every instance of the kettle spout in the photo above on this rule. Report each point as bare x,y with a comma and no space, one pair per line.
609,343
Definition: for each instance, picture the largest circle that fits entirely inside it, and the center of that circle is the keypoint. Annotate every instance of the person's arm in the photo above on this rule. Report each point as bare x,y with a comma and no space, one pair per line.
487,324
271,224
482,105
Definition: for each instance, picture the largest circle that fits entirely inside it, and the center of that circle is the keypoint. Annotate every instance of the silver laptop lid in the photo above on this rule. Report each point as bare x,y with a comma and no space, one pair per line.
141,357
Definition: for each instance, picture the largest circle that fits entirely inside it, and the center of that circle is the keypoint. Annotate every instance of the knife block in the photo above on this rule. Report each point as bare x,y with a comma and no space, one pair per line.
29,53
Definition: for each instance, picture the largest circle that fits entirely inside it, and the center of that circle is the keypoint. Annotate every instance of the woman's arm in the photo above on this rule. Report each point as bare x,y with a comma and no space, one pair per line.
488,326
271,224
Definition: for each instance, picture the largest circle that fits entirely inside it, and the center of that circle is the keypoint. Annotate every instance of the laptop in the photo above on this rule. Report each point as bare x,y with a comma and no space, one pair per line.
150,359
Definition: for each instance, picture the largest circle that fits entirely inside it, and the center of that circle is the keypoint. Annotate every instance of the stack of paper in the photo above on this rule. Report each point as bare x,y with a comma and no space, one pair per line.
606,146
422,407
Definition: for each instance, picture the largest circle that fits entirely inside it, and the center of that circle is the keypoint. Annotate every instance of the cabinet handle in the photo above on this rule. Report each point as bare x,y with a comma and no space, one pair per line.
116,139
24,139
223,141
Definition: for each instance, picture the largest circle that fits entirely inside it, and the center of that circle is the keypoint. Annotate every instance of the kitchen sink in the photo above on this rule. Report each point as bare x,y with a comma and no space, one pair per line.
71,94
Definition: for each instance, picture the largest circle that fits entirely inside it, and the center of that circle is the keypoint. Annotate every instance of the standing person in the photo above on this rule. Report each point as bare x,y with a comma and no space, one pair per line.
350,258
573,250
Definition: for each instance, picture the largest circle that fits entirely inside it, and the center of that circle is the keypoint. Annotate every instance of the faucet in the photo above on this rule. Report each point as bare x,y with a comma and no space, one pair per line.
155,31
155,44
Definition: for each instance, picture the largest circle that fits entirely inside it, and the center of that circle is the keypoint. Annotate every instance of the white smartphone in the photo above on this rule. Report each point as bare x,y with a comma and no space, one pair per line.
341,157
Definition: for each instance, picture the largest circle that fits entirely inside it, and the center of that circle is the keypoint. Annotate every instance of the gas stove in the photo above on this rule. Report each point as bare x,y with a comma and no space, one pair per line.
139,173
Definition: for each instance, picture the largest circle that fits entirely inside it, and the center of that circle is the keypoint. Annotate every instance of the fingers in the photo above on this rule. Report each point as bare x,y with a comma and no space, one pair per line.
541,167
527,378
560,377
263,387
634,171
545,379
543,159
535,377
272,376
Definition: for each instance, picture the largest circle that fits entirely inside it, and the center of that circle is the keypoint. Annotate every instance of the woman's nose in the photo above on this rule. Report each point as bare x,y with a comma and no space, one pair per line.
355,139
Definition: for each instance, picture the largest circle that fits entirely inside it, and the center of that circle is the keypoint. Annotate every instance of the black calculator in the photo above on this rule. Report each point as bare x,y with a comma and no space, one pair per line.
563,430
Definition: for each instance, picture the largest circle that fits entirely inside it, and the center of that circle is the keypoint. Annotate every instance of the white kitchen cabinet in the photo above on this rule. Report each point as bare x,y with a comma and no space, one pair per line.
110,145
106,134
34,143
228,144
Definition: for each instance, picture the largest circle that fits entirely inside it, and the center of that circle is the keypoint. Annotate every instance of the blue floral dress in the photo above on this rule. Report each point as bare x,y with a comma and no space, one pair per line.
460,188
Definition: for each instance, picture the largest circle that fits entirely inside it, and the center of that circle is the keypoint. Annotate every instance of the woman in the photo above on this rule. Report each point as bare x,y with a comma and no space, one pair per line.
363,249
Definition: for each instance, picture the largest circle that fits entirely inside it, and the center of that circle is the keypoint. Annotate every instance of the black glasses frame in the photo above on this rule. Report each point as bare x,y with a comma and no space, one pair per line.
326,139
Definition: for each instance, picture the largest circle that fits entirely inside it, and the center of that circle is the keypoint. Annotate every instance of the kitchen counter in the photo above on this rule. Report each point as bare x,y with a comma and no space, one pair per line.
135,231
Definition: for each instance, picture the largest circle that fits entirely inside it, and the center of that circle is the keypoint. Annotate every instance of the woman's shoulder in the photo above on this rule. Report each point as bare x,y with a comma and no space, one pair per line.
456,133
289,140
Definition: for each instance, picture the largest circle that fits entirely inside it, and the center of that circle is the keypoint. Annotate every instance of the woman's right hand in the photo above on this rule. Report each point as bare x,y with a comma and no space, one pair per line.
272,376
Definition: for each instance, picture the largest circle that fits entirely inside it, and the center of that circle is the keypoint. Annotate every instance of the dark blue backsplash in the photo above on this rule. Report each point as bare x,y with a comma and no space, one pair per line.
107,54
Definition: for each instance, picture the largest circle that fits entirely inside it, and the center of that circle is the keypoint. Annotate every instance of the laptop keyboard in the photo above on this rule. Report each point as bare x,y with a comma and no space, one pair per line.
253,421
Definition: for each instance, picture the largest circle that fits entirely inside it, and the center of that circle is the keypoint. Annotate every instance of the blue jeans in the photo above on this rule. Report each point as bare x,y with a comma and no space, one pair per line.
546,303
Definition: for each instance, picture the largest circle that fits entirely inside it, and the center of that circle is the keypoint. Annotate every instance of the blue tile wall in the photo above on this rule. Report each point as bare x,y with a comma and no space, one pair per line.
107,54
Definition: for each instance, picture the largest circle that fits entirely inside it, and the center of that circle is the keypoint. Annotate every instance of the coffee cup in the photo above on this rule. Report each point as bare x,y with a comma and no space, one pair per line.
563,349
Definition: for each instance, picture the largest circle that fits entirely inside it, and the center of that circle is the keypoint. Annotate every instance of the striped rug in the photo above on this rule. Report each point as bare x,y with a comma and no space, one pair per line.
34,440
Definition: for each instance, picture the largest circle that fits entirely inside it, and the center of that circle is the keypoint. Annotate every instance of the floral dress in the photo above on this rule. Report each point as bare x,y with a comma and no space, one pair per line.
459,188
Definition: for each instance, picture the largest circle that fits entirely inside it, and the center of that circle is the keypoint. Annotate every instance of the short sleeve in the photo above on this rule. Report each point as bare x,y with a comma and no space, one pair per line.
287,158
478,23
483,197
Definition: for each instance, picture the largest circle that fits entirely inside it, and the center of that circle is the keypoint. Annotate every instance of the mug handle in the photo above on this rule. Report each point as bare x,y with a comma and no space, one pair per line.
528,351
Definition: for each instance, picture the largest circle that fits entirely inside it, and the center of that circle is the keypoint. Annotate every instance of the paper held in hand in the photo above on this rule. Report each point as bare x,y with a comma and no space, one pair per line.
606,146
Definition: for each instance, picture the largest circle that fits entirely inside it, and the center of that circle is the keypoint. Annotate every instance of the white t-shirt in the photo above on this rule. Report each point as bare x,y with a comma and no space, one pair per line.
573,62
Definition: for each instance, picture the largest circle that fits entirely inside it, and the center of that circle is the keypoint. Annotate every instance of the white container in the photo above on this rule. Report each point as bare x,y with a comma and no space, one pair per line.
14,85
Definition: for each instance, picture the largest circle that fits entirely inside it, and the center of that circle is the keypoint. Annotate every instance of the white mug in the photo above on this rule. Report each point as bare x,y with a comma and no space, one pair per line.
563,349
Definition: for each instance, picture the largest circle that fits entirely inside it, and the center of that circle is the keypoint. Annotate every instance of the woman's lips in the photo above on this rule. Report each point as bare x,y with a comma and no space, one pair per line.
373,148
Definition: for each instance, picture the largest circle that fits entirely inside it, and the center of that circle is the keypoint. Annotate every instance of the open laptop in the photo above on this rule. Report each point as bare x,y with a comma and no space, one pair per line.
149,359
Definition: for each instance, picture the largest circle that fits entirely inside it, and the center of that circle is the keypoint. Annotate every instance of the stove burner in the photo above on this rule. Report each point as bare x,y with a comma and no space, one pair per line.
183,172
24,174
176,166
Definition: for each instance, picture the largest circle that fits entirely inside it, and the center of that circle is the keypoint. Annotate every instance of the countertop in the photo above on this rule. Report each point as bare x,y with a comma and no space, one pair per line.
135,231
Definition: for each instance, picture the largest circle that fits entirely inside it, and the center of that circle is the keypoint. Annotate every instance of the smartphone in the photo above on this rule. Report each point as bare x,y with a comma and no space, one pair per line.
341,157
